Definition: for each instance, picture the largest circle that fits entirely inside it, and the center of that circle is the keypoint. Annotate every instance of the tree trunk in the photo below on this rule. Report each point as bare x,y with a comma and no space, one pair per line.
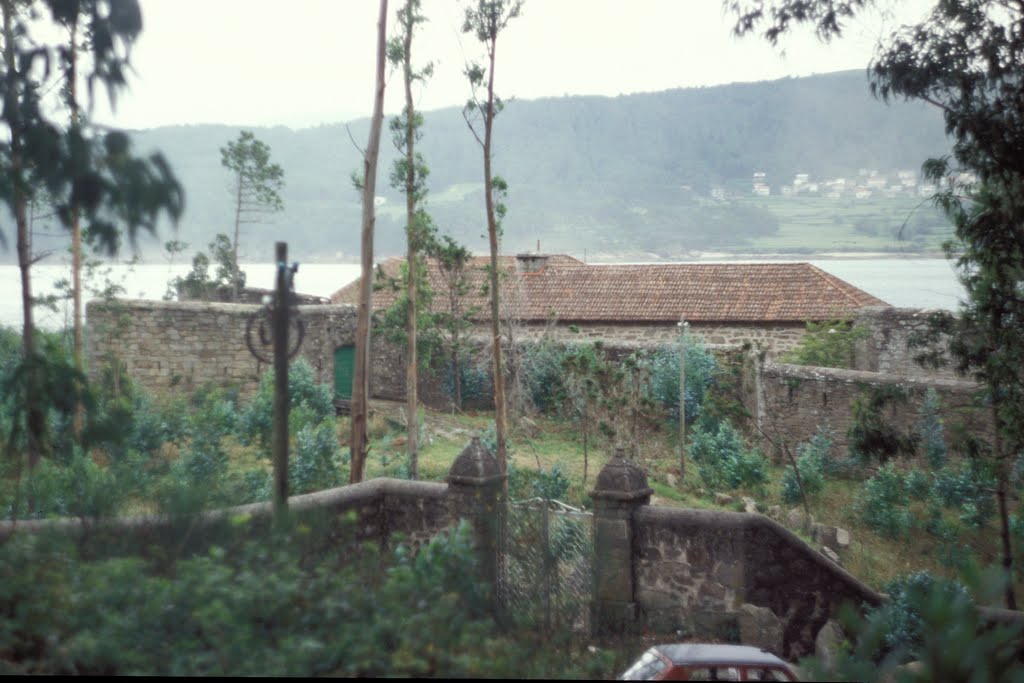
1002,461
457,372
361,381
498,369
78,343
36,420
412,235
234,250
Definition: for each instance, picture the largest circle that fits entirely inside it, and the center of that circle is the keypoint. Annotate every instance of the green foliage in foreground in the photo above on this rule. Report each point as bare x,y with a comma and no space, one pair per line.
263,608
935,623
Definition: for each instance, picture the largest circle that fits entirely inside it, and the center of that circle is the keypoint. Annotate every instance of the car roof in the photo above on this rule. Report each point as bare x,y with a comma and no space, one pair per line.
699,653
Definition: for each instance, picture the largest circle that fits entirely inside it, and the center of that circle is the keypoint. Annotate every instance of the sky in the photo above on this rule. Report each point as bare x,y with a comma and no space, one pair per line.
306,62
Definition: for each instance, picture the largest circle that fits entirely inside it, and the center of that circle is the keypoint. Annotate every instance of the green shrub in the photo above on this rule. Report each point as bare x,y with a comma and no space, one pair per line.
930,430
827,344
967,489
262,610
811,460
723,459
918,484
306,397
526,482
882,501
663,369
316,461
80,488
932,621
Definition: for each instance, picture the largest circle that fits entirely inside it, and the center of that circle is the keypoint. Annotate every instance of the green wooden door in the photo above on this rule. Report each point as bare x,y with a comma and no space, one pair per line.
344,369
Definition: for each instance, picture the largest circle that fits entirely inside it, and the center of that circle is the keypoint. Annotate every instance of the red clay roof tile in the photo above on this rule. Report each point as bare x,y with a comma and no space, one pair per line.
573,291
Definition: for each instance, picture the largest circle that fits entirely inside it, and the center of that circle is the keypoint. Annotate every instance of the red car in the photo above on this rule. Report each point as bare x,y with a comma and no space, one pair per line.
698,662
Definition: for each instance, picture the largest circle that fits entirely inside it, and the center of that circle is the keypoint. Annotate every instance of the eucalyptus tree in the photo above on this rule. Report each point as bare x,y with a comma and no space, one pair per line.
486,19
255,188
367,183
90,174
966,58
409,176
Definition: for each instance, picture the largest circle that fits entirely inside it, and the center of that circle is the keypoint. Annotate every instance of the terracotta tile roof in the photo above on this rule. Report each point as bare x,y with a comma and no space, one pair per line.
573,291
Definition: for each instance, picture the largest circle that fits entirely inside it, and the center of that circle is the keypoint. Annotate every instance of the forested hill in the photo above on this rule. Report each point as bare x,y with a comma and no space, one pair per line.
627,174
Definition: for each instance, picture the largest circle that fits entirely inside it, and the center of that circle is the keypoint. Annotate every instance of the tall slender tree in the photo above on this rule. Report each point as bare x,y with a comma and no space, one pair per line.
486,19
87,174
409,176
255,188
358,441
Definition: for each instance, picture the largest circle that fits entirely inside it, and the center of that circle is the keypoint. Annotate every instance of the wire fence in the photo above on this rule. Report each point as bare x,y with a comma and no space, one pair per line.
546,573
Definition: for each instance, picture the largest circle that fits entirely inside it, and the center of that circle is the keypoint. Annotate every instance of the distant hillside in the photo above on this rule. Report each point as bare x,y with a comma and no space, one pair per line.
624,175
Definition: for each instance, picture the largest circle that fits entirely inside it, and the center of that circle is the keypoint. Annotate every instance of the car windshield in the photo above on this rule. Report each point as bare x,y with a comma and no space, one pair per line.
646,668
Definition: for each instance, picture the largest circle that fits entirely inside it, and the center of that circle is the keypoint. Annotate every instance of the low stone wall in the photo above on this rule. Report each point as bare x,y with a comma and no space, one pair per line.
699,567
184,345
794,401
775,338
378,509
374,510
885,349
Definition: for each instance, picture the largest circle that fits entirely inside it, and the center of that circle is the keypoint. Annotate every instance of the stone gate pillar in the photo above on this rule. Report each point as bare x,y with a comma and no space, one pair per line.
476,494
620,489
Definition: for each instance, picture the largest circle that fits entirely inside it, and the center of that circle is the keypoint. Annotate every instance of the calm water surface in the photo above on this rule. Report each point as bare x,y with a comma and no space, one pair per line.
915,283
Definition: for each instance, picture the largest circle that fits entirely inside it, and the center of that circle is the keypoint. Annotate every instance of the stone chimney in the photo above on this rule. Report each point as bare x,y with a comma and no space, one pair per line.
530,263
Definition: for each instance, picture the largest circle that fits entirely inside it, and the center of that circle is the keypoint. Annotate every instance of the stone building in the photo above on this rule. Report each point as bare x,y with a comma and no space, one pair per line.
767,304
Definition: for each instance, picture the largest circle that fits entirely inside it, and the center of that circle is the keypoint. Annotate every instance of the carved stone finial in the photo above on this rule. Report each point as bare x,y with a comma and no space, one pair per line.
474,465
621,480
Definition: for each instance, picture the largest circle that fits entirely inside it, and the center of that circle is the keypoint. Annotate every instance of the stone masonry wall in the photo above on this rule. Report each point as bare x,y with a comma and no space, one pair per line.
696,568
795,400
885,349
183,345
776,338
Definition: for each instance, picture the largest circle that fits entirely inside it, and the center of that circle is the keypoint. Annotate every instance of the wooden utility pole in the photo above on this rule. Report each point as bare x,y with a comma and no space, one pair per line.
279,439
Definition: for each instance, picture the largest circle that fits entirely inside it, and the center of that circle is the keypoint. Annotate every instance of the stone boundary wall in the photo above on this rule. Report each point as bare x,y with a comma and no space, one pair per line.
382,507
182,346
698,567
776,338
885,349
795,400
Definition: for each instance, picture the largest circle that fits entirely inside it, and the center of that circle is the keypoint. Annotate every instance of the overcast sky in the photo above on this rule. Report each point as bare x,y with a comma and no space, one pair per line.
305,62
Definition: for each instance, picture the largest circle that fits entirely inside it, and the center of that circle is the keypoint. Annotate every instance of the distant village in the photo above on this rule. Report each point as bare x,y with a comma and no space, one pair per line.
867,184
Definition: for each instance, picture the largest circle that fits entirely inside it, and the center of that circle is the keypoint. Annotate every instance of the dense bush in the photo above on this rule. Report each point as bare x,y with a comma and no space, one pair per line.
967,489
811,460
930,430
474,379
724,460
310,400
79,488
663,369
882,503
261,610
315,463
526,482
827,344
934,622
